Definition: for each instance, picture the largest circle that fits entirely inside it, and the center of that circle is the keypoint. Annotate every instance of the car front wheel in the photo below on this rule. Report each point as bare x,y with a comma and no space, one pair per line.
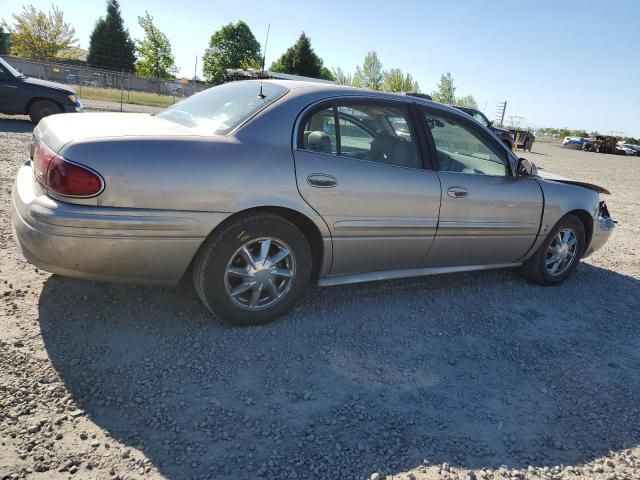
559,255
42,108
254,270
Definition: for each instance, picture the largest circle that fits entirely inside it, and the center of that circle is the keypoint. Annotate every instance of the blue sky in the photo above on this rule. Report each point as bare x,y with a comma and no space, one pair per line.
563,63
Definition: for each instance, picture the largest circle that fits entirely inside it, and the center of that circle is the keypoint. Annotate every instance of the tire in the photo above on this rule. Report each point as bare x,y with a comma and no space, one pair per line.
535,268
276,293
42,108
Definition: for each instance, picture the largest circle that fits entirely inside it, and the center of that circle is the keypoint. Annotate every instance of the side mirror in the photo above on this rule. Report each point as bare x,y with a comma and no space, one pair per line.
526,168
491,123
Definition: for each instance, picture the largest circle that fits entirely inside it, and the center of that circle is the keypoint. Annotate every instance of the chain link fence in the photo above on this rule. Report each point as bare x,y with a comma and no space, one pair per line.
107,85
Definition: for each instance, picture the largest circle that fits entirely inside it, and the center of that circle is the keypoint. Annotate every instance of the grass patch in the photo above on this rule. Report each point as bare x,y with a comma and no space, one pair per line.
136,98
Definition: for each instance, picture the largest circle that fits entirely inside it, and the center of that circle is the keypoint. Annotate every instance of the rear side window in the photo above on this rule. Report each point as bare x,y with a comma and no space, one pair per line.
375,132
320,133
220,109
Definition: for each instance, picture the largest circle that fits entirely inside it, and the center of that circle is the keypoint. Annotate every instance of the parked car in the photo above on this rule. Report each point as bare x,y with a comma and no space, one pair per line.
624,150
503,134
574,143
257,189
629,149
20,95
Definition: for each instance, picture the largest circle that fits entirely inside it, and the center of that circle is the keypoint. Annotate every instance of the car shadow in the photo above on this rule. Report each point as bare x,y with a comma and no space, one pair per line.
15,125
476,370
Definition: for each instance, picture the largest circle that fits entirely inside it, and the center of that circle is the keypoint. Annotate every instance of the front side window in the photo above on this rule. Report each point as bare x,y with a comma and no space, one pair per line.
220,109
460,150
375,132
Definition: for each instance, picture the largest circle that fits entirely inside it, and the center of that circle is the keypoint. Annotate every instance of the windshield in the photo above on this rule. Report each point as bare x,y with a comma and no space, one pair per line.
220,109
8,68
480,118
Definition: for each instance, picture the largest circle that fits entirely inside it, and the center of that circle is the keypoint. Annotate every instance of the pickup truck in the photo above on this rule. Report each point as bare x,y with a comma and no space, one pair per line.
21,95
505,135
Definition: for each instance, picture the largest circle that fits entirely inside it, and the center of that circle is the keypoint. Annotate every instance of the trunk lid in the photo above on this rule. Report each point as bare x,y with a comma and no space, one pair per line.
58,130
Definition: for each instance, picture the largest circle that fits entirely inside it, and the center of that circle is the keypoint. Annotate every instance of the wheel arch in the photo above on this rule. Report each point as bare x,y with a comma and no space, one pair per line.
306,225
32,100
587,220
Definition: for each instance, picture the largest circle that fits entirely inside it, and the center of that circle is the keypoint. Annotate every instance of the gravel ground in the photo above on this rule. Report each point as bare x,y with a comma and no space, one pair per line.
468,376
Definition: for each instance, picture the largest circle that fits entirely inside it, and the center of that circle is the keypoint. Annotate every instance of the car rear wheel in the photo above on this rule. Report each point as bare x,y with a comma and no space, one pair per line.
559,255
254,270
42,108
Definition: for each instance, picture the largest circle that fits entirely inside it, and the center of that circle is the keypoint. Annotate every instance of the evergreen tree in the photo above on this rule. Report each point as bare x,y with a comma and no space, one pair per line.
3,42
110,46
300,59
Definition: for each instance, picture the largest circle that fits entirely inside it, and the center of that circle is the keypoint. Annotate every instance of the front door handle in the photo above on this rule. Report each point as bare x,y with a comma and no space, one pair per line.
322,180
457,192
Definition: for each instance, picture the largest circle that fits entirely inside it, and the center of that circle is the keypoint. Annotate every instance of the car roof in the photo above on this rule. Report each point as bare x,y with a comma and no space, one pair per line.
332,89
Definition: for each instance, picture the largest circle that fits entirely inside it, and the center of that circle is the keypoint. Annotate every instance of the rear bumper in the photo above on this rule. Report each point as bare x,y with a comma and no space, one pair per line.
102,243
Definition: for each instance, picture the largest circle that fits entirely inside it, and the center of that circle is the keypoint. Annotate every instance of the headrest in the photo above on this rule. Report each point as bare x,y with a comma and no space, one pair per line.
319,142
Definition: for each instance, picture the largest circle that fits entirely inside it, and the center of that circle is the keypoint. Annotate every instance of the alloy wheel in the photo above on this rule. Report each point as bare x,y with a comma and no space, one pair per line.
561,252
260,273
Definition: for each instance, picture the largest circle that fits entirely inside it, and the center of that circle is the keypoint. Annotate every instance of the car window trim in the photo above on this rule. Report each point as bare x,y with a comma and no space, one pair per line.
336,122
476,128
426,145
312,109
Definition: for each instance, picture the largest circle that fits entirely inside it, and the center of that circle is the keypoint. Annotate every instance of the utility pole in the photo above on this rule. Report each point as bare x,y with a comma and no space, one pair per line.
195,74
502,108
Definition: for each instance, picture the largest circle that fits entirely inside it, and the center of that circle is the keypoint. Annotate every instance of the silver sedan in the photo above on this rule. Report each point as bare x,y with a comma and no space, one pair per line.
257,189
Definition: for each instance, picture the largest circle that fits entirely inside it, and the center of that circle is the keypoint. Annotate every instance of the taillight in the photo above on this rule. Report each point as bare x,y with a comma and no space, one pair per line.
62,176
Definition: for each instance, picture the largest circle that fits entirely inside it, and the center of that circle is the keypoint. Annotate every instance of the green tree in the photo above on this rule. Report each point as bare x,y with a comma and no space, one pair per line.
251,64
445,91
42,36
300,59
3,42
467,101
110,46
341,77
233,46
155,58
396,81
370,75
564,132
326,74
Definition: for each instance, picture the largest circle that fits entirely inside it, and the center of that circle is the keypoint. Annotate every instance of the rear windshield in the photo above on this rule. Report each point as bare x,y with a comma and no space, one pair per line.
220,109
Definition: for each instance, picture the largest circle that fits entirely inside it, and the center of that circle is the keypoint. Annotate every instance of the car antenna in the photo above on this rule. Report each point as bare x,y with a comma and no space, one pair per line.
264,56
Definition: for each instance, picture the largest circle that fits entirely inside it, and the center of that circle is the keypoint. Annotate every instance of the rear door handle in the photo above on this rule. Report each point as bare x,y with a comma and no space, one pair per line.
457,192
322,180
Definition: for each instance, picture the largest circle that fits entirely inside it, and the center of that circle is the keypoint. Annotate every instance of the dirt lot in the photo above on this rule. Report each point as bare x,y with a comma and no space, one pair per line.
467,376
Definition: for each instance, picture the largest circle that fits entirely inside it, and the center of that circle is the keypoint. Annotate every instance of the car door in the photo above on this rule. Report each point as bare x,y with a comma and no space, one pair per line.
487,215
359,164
